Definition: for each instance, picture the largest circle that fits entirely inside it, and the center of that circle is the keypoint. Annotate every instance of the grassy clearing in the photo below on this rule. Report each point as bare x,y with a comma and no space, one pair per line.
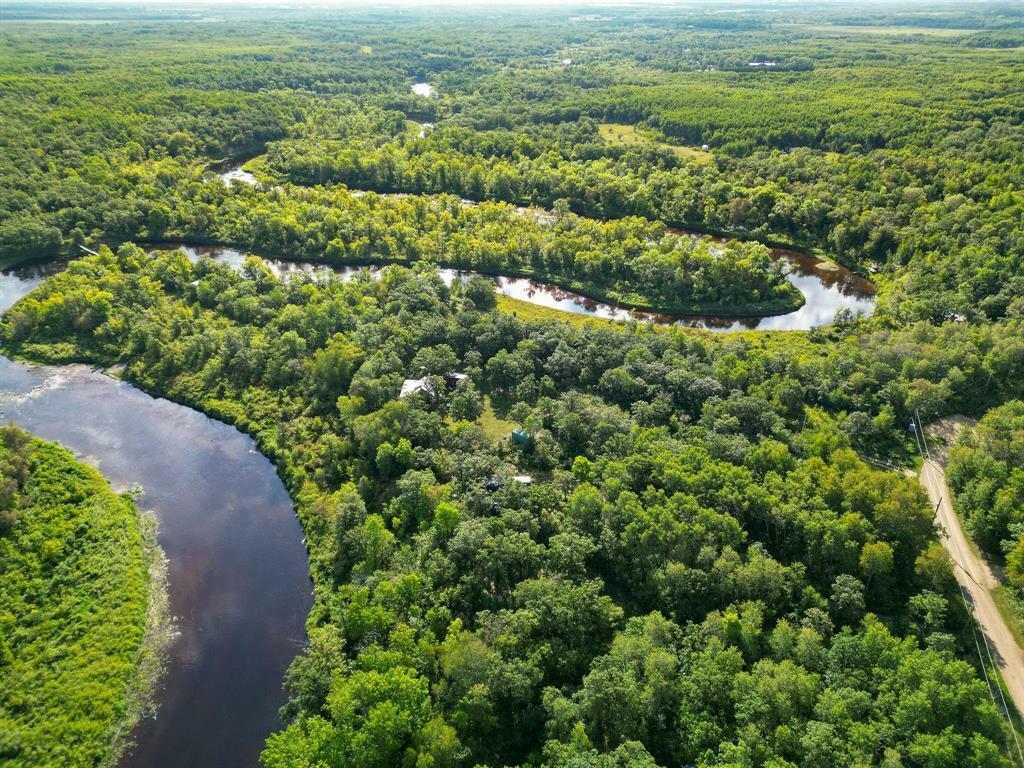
618,134
495,427
524,310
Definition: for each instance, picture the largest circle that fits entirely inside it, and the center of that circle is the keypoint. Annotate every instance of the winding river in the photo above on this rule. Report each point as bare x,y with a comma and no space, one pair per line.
238,574
827,287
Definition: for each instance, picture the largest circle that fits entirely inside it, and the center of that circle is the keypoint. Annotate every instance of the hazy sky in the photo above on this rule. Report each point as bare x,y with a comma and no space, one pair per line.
327,3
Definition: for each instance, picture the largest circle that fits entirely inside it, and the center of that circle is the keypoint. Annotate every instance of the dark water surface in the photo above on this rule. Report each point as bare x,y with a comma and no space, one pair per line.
238,574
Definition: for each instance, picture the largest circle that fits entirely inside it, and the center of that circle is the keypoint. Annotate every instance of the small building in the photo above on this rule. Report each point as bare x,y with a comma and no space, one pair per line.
412,386
522,438
451,379
494,483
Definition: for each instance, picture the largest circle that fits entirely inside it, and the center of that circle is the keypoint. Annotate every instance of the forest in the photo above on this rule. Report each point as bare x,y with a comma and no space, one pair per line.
689,527
986,471
927,195
536,542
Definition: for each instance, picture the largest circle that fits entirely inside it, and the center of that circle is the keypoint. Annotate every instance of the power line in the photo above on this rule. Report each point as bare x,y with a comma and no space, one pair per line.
972,616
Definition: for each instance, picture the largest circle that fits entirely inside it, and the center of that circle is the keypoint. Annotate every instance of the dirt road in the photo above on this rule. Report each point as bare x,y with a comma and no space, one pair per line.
977,580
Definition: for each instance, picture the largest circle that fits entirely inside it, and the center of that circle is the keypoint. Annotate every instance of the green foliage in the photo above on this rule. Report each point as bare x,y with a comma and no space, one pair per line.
687,562
895,151
73,591
694,572
986,471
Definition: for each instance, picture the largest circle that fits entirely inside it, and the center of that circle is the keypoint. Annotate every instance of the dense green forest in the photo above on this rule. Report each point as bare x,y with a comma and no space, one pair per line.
700,554
987,470
598,545
897,153
74,585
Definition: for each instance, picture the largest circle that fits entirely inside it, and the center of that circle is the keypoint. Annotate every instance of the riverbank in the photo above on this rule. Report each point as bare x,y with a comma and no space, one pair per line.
10,262
826,291
255,169
792,301
66,354
237,571
83,603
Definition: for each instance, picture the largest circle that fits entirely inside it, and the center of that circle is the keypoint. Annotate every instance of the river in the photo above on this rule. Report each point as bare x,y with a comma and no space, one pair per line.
238,573
827,287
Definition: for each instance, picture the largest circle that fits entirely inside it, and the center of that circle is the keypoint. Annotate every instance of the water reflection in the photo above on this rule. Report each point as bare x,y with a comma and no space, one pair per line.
237,174
237,569
827,289
17,282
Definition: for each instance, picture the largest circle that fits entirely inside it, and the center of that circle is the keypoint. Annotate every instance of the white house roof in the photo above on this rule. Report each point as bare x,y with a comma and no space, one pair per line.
412,386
